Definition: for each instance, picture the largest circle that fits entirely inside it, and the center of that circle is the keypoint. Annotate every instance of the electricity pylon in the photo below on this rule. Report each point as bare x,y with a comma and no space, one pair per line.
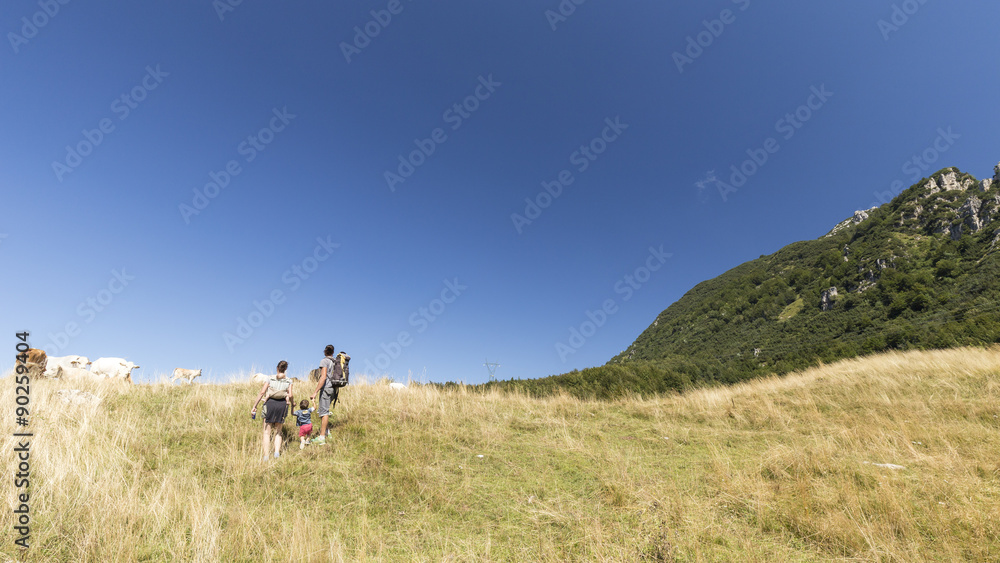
492,368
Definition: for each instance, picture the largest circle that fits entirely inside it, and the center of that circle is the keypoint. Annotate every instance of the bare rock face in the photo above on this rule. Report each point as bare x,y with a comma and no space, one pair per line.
827,298
996,174
970,214
948,181
859,216
911,215
932,187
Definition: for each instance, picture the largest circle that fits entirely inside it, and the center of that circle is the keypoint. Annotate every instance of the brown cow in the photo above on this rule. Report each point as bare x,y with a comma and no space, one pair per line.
36,362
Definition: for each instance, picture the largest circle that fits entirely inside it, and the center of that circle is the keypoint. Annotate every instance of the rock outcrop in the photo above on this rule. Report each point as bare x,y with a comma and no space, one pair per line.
970,214
947,182
858,217
826,299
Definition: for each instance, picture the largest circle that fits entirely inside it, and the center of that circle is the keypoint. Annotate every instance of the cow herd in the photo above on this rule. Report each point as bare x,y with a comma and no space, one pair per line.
57,367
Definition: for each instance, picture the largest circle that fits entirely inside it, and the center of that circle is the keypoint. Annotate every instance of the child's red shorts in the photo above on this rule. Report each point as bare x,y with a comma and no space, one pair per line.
305,430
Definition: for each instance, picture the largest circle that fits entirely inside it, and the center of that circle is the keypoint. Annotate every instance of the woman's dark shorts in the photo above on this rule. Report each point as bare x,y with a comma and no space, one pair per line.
275,411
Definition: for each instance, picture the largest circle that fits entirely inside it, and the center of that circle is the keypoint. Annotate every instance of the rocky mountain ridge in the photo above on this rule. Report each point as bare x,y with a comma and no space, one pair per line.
886,277
974,212
919,272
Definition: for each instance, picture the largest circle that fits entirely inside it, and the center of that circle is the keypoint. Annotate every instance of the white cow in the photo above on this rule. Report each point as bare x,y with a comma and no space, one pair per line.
259,378
63,372
53,362
188,374
113,368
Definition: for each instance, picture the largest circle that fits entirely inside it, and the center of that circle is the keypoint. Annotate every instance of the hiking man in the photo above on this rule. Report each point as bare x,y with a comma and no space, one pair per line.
329,370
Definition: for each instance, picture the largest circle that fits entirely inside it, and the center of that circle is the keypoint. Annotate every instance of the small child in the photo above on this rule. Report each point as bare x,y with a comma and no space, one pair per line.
303,417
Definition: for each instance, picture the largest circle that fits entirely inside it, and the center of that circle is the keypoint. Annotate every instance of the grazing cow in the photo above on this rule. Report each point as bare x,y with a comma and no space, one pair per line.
35,362
188,374
54,362
314,375
113,368
62,372
259,378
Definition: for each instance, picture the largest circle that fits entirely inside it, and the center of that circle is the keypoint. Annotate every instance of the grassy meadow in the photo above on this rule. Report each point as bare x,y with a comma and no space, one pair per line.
780,469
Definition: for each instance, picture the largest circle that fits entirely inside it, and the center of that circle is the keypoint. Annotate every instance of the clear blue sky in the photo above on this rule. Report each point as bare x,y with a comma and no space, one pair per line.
267,90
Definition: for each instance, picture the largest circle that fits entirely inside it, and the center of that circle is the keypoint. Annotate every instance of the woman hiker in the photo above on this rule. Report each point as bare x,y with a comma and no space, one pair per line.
278,391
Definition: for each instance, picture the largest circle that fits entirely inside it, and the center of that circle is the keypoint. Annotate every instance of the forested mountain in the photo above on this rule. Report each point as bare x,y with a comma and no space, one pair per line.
922,271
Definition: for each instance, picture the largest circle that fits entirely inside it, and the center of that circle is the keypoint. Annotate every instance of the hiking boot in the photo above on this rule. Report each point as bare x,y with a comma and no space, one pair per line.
319,441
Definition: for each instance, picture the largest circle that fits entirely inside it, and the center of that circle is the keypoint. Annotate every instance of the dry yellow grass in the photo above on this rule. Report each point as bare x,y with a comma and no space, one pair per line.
781,469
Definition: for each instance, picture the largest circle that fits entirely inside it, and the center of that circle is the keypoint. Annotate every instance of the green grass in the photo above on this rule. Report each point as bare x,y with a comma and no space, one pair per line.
791,310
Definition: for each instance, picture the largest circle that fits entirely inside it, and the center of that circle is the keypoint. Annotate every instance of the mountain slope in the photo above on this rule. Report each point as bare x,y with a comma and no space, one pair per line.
922,271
